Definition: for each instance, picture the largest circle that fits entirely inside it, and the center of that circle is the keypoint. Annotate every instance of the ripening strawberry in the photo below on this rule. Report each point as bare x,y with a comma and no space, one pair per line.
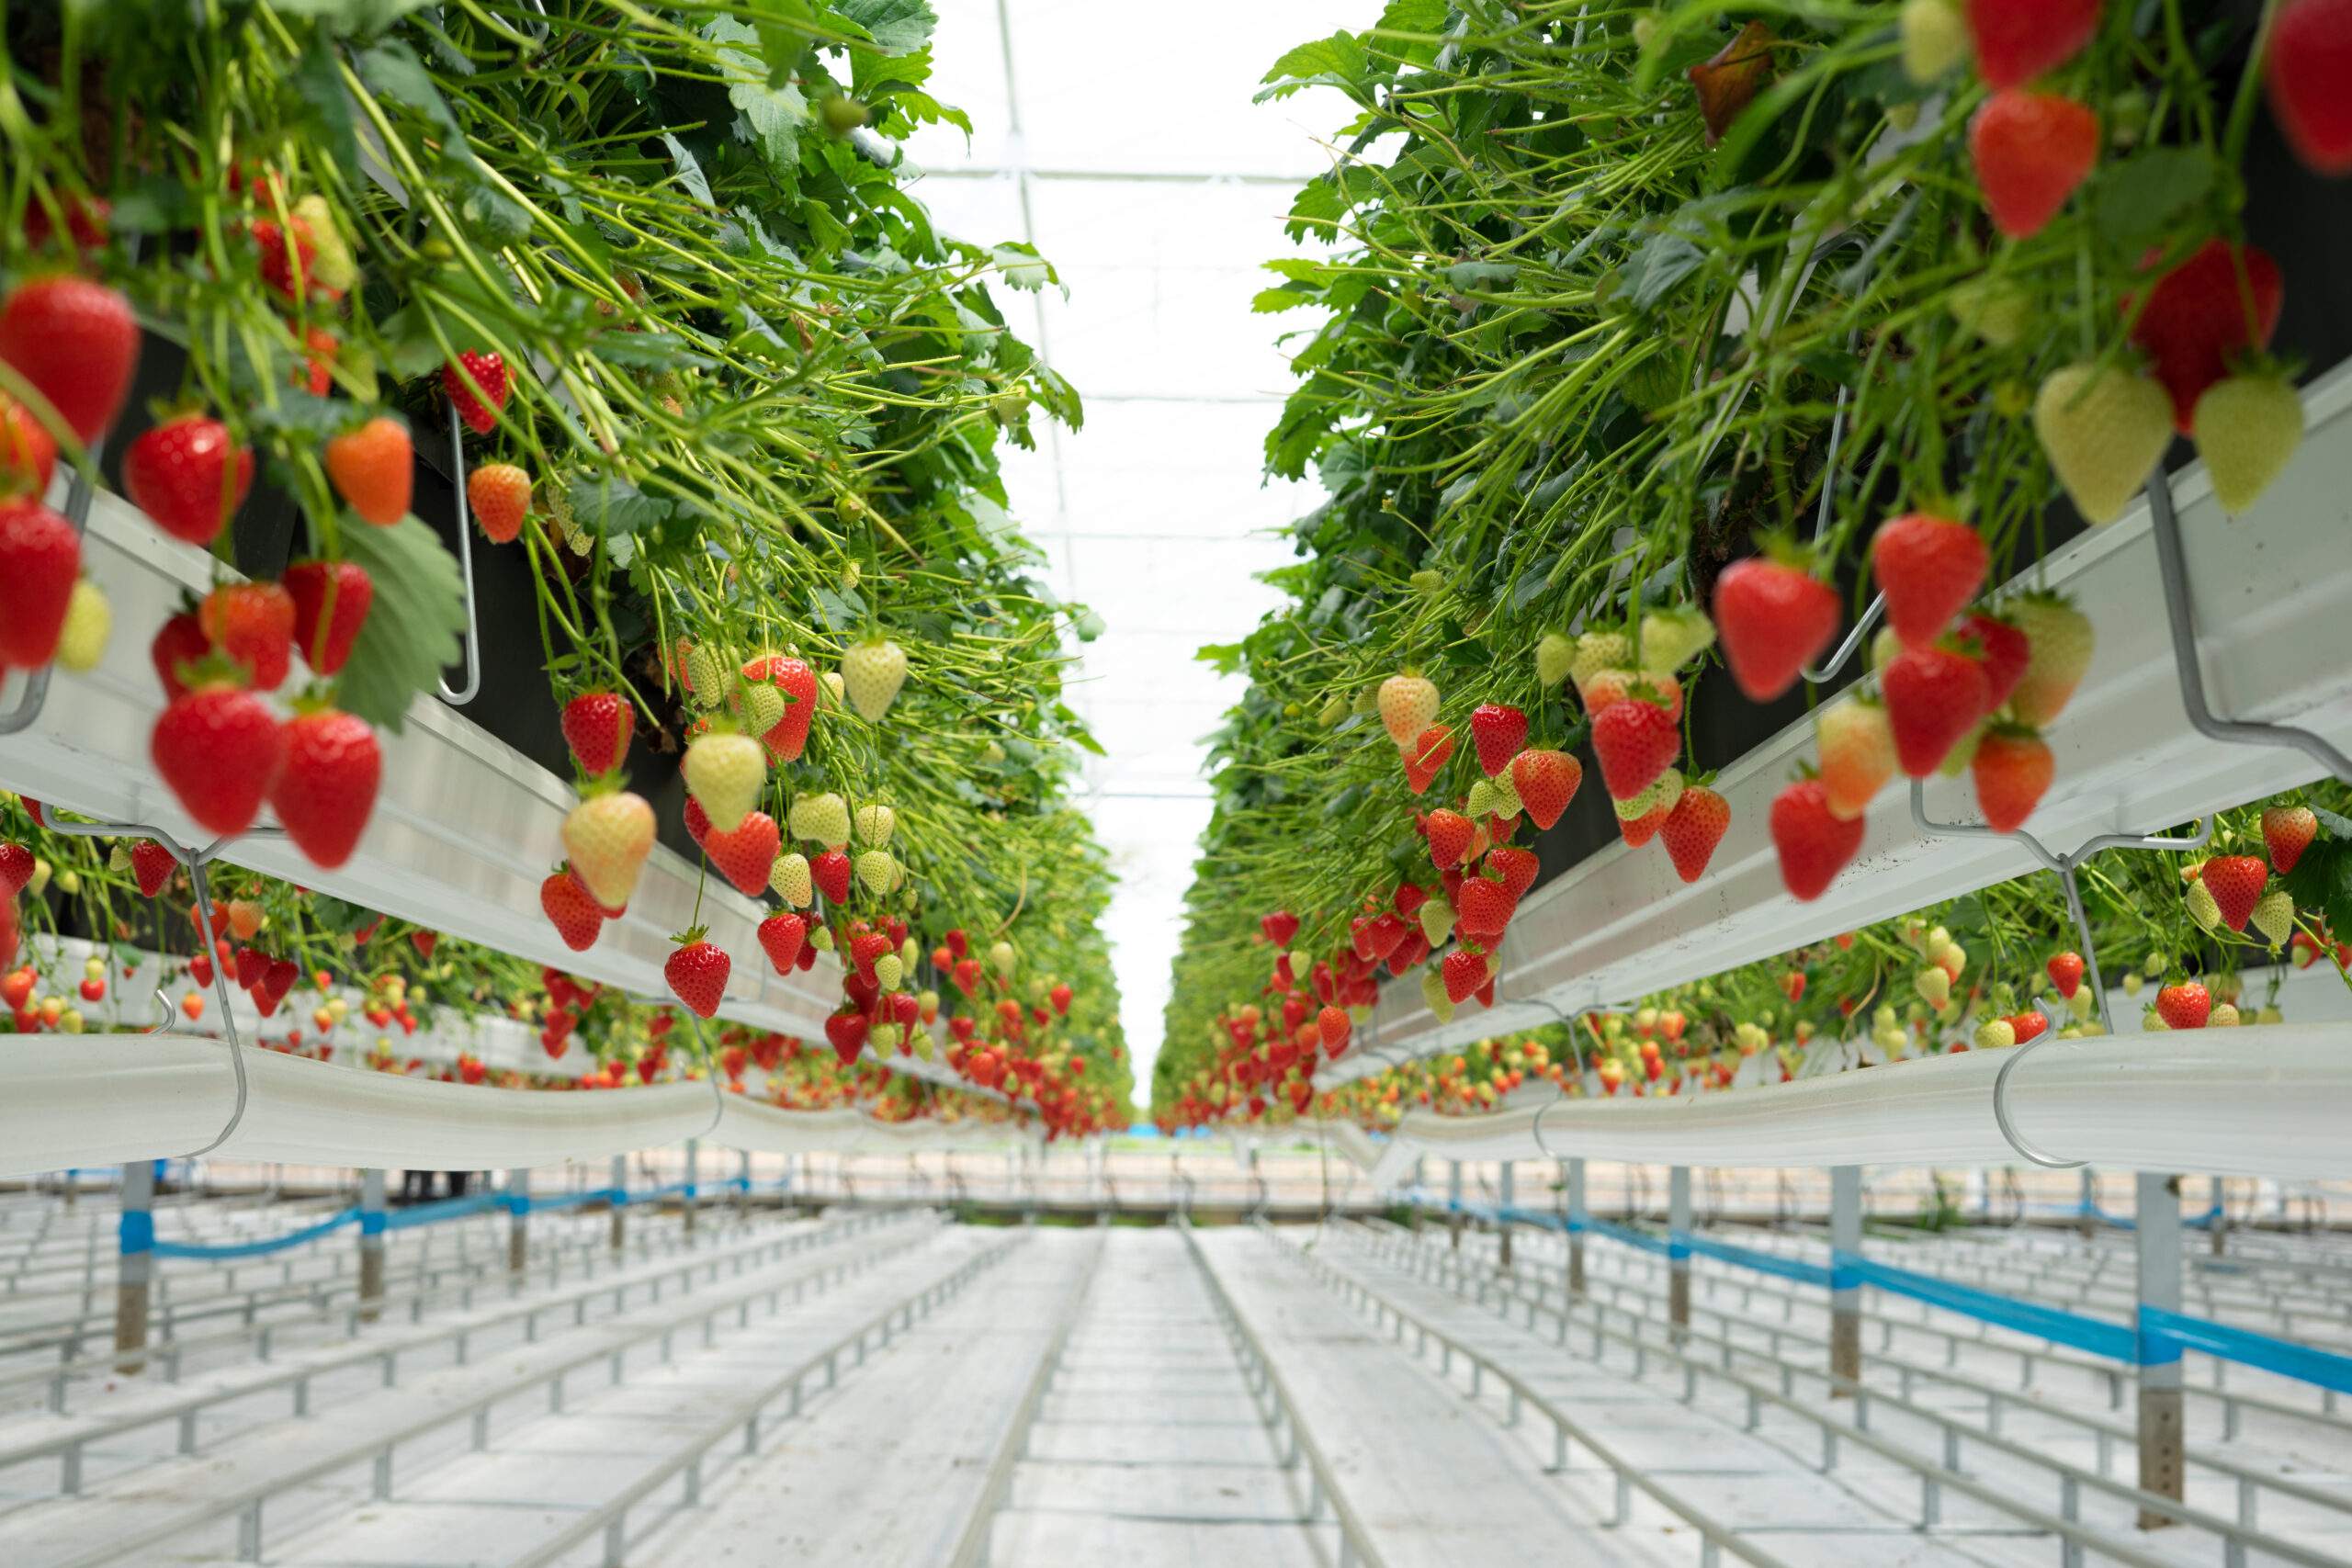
326,788
1774,617
1499,731
1693,829
476,383
2287,832
2103,428
2019,39
576,916
2185,1006
1934,696
2247,429
28,451
1814,844
499,497
1425,756
608,836
374,469
324,631
1929,567
1856,746
2013,768
872,672
252,625
2004,650
2058,644
220,750
2203,316
2306,62
2236,883
746,853
188,476
1639,830
41,560
1407,706
76,343
597,726
697,974
725,771
1635,740
796,683
2033,150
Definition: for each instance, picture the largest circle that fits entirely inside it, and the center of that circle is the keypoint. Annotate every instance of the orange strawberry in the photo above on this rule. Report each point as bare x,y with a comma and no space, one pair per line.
374,469
1693,829
1545,781
2288,831
500,494
2013,768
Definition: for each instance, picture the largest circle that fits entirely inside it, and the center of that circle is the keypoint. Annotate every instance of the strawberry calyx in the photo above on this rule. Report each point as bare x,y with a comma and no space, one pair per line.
1783,549
611,784
214,672
691,935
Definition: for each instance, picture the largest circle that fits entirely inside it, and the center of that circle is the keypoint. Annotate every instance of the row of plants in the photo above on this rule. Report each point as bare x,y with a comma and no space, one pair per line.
1651,340
2192,939
724,408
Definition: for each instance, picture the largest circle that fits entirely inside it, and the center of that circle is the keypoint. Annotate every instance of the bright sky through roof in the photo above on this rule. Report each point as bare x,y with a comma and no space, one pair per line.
1122,141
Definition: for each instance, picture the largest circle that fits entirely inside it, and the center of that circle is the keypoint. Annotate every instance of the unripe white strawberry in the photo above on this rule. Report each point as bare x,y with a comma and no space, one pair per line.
725,771
1407,706
2202,906
1555,656
884,1039
876,871
2103,428
889,971
1597,652
789,876
608,836
1995,1032
1935,39
1671,639
1433,994
2059,645
89,621
2225,1016
2274,916
820,819
2248,430
760,705
705,677
1002,956
1933,983
875,824
872,672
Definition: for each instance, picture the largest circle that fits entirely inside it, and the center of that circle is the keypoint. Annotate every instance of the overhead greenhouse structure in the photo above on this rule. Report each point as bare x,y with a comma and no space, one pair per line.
1378,782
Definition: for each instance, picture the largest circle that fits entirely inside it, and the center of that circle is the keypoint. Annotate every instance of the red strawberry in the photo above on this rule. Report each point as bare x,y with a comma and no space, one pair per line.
966,974
597,726
1546,781
87,220
1498,732
698,821
577,917
746,855
181,642
1425,756
829,871
2028,1025
188,476
252,625
2013,768
698,974
288,257
1517,867
1449,834
2019,39
76,343
2005,653
283,972
780,935
1483,909
2236,882
1933,698
2185,1006
1331,1024
2196,319
789,735
845,1032
325,634
2033,150
374,469
1693,829
1639,830
28,451
1773,619
1927,567
1814,843
474,370
151,864
253,967
2288,831
2308,62
1377,938
41,559
2066,974
15,870
320,348
425,943
500,496
1636,741
326,790
218,748
1278,929
1464,972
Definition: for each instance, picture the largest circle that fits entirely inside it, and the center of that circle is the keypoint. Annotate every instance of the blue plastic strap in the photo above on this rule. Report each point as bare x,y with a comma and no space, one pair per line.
371,1222
1640,1240
307,1234
447,1209
2176,1332
2072,1329
136,1233
573,1200
1794,1268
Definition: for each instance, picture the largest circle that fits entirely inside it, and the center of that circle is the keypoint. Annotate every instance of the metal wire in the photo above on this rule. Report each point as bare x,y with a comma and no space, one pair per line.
472,688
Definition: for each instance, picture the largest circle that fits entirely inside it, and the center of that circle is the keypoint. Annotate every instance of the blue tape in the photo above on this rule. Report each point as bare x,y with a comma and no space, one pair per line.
573,1200
1639,1240
1794,1268
371,1222
2176,1332
136,1233
2098,1337
447,1209
258,1248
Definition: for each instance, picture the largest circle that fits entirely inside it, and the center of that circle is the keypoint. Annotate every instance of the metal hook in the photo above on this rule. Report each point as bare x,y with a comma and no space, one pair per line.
2181,615
35,696
2001,1108
472,688
164,1011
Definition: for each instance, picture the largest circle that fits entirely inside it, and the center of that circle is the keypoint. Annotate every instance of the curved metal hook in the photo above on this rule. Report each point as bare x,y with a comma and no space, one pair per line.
164,1011
2001,1109
472,688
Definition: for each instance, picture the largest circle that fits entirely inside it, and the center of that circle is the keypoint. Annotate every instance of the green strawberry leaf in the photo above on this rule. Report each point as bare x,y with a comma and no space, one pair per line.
415,628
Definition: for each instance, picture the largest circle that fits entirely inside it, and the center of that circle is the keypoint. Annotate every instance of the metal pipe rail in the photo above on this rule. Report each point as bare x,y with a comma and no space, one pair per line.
611,1520
1714,1535
2248,1480
2236,1538
972,1545
246,1502
69,1447
1267,1388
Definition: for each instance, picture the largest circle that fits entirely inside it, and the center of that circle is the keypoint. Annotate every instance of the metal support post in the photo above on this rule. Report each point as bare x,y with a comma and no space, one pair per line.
371,1245
1413,1186
1578,1219
620,1203
744,1182
2218,1226
2158,1233
518,1221
1502,1222
1678,1225
694,1159
136,1233
2088,1204
1845,1299
1454,1201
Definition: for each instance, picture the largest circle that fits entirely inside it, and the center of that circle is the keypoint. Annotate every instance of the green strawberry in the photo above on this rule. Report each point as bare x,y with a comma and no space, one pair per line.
820,819
1671,639
2274,917
889,971
790,878
1659,795
726,770
2248,430
706,675
1433,994
1935,39
1996,310
875,824
1436,915
1597,652
1555,656
872,672
2103,428
877,871
2058,644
